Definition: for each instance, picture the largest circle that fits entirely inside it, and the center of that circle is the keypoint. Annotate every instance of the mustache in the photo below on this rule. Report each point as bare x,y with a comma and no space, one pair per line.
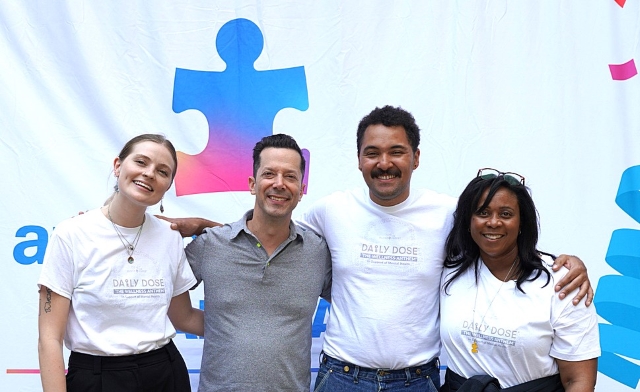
392,172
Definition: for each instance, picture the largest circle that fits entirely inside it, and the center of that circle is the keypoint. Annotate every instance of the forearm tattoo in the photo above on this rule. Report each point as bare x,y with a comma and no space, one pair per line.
47,303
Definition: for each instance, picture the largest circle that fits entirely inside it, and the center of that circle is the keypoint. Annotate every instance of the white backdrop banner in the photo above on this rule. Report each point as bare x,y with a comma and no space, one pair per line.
547,89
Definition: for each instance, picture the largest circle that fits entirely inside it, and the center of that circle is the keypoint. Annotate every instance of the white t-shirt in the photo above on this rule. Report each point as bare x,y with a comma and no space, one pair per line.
117,308
518,335
386,264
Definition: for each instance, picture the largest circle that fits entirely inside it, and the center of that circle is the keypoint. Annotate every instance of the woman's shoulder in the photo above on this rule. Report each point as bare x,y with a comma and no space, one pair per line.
161,226
547,277
547,263
82,221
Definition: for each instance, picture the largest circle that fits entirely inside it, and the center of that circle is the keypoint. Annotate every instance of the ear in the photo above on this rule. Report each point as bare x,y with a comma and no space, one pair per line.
116,167
252,185
302,188
416,159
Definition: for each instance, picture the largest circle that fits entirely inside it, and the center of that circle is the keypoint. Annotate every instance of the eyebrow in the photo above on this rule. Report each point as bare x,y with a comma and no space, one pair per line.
395,146
140,155
287,171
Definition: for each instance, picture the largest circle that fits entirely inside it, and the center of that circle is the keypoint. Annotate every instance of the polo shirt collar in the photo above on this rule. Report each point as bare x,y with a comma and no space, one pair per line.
236,227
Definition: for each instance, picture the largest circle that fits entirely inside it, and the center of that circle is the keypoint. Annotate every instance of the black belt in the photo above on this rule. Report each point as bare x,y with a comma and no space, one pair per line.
349,367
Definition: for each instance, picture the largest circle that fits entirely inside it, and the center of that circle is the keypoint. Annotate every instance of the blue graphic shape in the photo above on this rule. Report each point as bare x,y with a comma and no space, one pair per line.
617,296
624,252
628,198
239,104
319,326
619,369
617,302
39,244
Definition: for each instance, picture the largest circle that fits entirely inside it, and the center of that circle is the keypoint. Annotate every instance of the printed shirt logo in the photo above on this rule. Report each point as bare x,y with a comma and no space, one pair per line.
391,243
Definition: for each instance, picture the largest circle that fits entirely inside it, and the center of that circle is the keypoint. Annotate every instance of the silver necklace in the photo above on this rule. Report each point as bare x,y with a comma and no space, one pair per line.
129,247
474,344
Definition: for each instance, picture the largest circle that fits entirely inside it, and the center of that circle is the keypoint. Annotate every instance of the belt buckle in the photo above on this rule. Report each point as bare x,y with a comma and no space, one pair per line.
382,372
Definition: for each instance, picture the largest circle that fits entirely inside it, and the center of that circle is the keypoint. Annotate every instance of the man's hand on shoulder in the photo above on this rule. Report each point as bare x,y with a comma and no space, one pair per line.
188,227
576,278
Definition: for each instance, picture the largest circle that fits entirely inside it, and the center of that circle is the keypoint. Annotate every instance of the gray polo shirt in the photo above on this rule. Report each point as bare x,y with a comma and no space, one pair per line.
258,309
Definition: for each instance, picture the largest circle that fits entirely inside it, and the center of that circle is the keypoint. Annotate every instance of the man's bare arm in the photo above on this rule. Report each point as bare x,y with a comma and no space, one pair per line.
188,227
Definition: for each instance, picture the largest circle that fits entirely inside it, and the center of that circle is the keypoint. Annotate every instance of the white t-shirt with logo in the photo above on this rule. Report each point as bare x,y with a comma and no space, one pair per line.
518,335
386,265
117,308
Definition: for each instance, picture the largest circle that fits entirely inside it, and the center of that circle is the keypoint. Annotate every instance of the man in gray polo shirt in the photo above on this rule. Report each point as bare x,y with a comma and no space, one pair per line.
262,278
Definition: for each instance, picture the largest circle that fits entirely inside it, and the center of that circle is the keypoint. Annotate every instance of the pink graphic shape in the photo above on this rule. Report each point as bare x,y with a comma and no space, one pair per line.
23,371
623,71
620,2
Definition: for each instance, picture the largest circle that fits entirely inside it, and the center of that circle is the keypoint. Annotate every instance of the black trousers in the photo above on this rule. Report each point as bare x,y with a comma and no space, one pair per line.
161,370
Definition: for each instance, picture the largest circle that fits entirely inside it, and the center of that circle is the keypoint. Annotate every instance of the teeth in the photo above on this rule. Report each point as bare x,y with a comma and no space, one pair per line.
387,177
493,236
143,185
276,198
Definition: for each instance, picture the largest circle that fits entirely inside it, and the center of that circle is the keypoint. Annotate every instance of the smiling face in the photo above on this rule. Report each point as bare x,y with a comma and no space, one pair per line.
387,161
495,229
145,174
277,184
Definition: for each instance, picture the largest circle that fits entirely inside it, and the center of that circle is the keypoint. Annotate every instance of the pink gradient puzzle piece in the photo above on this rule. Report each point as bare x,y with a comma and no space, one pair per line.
623,71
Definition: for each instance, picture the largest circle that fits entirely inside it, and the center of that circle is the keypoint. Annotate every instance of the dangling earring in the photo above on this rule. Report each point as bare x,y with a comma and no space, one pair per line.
161,206
115,188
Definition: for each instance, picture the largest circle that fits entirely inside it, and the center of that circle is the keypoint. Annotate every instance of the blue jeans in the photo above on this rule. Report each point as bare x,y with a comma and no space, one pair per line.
337,376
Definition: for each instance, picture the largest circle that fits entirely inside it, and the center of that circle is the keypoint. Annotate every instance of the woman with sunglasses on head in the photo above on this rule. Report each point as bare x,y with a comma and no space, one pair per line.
502,324
110,277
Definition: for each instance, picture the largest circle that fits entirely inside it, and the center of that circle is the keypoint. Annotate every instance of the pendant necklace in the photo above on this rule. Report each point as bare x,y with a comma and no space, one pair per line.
129,247
474,344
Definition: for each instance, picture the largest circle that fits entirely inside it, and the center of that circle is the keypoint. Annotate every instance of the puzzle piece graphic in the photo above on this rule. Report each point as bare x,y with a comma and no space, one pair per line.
240,104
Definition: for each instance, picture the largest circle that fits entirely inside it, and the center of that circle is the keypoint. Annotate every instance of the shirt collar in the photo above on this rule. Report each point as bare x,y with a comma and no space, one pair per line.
295,231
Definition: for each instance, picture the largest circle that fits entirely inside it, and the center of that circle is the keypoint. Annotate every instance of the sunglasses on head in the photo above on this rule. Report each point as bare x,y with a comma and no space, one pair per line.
489,174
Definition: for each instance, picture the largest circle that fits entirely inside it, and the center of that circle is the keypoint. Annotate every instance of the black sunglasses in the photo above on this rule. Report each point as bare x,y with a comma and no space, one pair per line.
489,174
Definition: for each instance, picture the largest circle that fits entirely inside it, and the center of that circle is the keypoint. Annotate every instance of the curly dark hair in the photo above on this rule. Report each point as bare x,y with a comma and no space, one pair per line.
390,116
462,252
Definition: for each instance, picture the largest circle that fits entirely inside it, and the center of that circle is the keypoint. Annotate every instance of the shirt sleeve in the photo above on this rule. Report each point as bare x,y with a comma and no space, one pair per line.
58,268
576,336
313,218
184,277
195,254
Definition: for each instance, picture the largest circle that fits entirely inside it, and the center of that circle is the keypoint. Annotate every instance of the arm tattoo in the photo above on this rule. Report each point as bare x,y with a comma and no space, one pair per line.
47,304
